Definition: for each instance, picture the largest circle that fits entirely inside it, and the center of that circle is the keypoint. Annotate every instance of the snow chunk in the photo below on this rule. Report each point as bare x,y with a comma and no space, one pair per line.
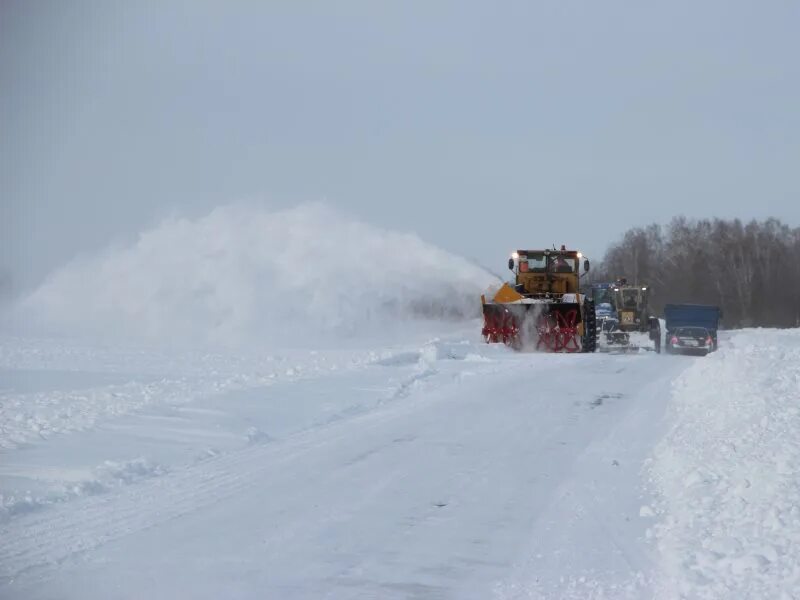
646,511
256,436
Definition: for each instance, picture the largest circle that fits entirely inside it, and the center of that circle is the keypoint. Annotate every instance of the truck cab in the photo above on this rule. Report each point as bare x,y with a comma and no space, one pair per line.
682,317
540,273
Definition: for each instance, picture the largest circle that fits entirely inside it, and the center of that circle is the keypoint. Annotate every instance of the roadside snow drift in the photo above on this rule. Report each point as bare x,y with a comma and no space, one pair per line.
243,274
727,473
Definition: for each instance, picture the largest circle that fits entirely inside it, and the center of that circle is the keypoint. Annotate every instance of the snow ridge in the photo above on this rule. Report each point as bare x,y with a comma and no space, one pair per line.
727,473
108,476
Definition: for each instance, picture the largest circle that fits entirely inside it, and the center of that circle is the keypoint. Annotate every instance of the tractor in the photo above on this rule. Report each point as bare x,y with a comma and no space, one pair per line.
544,308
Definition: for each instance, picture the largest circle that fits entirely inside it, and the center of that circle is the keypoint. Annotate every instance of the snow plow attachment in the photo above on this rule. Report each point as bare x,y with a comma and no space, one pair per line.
546,325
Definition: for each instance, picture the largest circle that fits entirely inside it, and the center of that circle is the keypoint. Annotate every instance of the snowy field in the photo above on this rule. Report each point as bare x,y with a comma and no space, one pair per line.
294,405
431,469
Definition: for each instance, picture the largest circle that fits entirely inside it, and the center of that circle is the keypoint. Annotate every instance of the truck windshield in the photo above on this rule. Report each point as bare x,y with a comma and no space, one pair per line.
630,297
532,262
561,264
602,295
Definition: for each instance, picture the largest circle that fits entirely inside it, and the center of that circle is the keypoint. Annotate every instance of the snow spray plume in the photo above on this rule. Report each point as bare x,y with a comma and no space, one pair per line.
245,274
528,328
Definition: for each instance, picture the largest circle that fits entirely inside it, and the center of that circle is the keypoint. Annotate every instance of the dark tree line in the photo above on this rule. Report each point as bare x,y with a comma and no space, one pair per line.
751,270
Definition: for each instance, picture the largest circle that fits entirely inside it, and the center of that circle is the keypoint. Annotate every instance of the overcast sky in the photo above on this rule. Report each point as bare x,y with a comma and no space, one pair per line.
480,126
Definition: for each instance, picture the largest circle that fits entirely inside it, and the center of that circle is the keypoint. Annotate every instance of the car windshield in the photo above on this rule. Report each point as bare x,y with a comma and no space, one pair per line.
692,331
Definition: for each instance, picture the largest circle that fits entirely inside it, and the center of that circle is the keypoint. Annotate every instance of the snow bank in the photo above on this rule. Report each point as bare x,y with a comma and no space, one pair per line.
727,473
244,274
105,477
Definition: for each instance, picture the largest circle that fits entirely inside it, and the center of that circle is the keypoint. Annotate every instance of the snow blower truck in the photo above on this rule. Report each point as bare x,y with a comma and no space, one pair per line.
543,309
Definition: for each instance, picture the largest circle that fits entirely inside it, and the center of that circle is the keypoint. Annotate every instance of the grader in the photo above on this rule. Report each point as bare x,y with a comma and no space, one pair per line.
543,309
631,302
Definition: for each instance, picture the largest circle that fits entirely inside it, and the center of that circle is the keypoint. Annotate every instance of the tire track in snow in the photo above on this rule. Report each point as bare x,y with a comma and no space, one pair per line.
36,544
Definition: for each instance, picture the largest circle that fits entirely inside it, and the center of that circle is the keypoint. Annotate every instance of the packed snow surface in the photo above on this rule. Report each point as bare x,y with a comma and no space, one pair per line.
423,468
426,468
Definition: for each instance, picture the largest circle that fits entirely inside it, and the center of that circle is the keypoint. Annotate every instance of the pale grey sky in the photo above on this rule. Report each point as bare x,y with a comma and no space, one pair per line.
482,126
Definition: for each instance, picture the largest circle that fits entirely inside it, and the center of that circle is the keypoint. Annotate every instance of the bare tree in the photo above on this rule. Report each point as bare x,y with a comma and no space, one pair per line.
752,271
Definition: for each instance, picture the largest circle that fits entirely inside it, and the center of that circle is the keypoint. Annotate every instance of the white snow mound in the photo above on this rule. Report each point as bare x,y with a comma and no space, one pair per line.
727,471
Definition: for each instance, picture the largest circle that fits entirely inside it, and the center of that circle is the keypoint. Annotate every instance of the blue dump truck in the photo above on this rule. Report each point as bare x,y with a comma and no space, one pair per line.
691,328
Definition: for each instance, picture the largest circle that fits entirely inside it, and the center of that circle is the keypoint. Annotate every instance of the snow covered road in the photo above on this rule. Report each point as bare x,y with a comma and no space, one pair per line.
450,470
446,469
